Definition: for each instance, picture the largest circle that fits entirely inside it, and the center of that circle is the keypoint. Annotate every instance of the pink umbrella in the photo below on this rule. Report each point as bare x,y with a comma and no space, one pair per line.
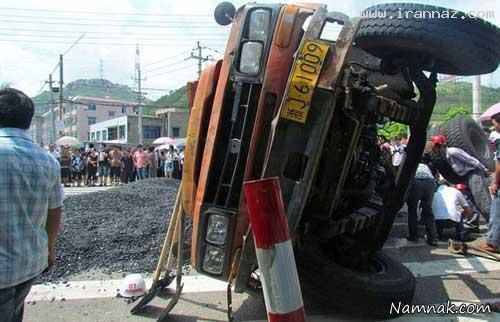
494,109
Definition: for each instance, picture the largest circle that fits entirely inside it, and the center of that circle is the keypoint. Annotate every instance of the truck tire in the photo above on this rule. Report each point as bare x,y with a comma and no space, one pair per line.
479,188
367,294
457,45
464,133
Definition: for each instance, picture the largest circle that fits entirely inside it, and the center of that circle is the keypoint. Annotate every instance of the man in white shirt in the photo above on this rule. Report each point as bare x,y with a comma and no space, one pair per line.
450,208
398,152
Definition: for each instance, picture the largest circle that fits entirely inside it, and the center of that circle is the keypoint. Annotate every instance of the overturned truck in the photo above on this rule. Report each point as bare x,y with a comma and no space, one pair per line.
293,99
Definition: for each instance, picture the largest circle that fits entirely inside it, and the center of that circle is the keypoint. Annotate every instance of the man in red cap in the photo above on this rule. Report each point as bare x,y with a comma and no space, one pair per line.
457,166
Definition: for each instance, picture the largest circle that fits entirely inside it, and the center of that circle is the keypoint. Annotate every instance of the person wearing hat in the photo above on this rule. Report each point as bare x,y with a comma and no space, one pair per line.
457,166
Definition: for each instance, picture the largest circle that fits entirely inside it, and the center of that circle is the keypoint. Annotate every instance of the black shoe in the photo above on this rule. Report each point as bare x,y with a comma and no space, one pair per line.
412,239
432,242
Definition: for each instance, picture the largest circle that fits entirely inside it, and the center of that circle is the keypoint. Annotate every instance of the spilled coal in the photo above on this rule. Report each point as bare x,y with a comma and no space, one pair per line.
114,231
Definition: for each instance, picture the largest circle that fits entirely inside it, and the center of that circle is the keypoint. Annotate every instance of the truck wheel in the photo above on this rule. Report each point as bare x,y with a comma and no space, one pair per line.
457,44
367,293
479,188
466,134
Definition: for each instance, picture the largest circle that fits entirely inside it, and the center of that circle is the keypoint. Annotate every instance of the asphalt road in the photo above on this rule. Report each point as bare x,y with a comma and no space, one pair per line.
441,277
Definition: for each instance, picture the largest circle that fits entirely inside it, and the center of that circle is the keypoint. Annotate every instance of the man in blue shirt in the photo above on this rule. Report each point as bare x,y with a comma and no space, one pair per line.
31,200
492,243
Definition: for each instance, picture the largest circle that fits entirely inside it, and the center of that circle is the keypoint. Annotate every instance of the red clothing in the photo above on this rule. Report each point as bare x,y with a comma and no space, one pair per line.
140,159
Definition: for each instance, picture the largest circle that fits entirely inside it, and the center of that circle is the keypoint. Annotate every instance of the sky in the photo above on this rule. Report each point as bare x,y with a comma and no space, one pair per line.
34,33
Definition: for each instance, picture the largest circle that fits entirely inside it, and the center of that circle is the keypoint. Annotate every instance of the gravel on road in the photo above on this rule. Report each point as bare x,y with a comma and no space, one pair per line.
119,230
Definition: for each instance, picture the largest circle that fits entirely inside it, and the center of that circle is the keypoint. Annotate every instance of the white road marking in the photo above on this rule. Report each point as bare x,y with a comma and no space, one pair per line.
402,243
463,266
407,318
199,283
79,290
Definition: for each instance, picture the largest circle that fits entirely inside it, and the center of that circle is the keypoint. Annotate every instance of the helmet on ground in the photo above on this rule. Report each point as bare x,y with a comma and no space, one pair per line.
133,285
438,139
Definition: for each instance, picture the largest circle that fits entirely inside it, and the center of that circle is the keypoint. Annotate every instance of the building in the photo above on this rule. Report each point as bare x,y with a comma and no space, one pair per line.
124,130
174,121
36,130
83,111
171,122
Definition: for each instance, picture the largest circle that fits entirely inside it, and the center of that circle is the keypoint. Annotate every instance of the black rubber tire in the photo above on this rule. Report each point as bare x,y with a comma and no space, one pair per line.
464,133
460,46
369,295
479,188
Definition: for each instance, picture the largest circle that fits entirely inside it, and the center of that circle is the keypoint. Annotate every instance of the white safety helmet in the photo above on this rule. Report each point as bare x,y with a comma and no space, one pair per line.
133,285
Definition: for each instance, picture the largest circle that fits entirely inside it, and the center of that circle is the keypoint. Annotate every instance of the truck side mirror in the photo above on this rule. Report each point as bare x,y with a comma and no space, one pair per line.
224,13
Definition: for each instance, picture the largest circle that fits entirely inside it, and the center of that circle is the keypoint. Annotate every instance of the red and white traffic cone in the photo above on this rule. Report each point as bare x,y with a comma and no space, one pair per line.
279,278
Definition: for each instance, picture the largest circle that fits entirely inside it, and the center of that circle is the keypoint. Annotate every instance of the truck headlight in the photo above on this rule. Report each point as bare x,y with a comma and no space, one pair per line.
217,229
251,54
258,26
213,261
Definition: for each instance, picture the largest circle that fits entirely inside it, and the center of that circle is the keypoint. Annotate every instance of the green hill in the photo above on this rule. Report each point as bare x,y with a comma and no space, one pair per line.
176,98
88,87
459,94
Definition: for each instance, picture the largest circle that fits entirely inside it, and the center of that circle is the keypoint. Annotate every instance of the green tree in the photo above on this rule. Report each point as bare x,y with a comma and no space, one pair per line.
455,111
393,129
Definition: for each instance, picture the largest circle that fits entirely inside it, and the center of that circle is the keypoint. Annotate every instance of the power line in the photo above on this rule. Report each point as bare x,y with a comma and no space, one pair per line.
100,25
73,45
168,58
124,33
101,12
104,19
108,38
170,71
168,65
91,43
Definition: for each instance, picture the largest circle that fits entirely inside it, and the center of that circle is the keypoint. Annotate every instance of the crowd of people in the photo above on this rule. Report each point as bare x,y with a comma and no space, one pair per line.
114,165
440,196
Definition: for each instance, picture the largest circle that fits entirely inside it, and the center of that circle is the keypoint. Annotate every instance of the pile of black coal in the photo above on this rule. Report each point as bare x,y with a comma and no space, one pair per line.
114,231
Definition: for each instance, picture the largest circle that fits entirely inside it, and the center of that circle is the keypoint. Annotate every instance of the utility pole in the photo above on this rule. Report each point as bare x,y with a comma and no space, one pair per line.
476,97
52,110
61,83
101,68
199,57
139,94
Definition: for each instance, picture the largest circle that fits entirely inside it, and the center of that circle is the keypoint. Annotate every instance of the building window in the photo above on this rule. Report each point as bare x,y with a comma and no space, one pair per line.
104,135
121,132
98,136
112,133
111,113
92,107
176,132
92,136
92,120
151,132
124,109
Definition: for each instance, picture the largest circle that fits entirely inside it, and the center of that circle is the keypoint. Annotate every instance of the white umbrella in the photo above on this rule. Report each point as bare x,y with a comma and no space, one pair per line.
164,140
163,147
68,140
